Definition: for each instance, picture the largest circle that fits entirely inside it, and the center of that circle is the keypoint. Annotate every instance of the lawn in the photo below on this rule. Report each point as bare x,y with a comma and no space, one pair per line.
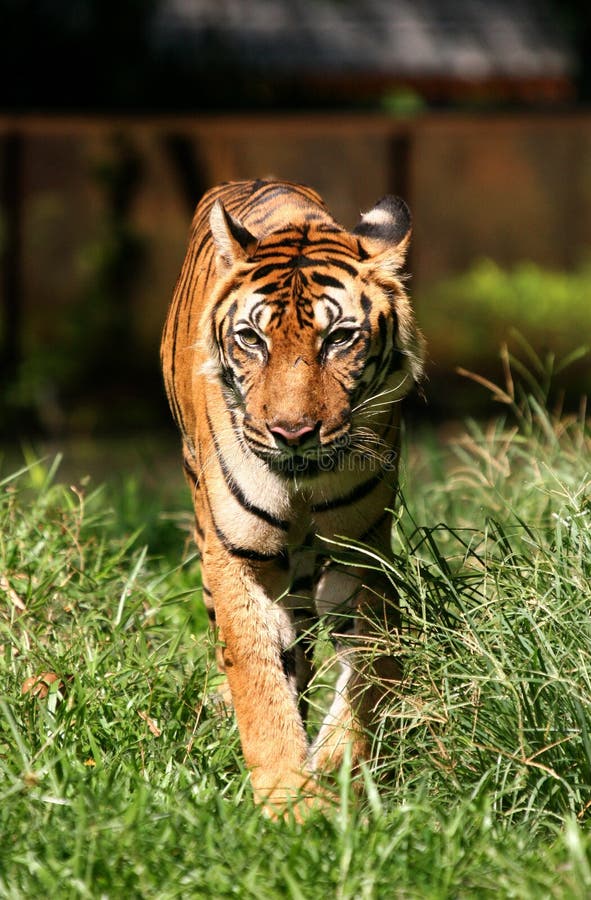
121,776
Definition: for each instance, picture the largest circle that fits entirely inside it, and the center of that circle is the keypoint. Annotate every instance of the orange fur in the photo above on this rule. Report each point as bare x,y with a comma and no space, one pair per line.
288,347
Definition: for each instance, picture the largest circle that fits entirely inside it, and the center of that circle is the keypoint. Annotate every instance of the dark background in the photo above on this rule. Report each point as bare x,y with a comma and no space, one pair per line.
110,129
101,55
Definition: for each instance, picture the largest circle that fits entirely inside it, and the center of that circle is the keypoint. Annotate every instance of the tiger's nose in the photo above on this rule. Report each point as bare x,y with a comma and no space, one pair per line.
288,435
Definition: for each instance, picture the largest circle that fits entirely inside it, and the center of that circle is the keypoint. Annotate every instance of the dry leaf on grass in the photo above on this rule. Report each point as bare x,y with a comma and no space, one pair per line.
39,685
151,723
11,593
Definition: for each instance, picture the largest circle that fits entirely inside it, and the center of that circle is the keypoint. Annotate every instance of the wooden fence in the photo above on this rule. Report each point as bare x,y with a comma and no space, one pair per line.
509,187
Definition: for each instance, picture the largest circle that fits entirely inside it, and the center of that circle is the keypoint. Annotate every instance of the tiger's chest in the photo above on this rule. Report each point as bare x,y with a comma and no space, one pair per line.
261,513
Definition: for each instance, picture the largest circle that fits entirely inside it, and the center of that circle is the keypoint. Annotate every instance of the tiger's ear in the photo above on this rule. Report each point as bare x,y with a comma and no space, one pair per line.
233,242
386,229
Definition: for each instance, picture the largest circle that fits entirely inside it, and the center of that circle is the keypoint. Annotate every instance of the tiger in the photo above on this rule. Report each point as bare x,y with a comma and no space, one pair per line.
288,346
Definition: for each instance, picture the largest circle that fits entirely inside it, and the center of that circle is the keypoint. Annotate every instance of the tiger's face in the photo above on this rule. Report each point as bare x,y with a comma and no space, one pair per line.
312,339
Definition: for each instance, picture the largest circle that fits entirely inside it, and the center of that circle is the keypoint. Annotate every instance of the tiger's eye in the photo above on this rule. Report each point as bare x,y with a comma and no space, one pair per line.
339,337
249,338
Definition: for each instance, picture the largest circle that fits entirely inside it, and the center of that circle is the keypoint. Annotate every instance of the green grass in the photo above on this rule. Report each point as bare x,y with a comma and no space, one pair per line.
491,305
126,779
550,307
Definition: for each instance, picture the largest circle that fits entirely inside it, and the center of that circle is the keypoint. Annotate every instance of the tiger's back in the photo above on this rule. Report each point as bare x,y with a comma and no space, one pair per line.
288,346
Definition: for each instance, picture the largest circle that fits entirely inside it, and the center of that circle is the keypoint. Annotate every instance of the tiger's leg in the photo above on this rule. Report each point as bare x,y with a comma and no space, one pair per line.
223,689
191,466
300,603
367,673
258,637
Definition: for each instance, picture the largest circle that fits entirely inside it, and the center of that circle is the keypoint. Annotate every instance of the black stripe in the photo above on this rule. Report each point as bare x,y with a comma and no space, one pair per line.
377,360
238,431
268,269
383,328
255,443
365,303
205,238
246,504
173,401
247,553
253,429
268,288
271,190
396,362
284,238
281,557
338,428
288,662
190,471
179,300
172,394
362,490
326,280
206,278
341,264
363,254
186,275
199,529
237,491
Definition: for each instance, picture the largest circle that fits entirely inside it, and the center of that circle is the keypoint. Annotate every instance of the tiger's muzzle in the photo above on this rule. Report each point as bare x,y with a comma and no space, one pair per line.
295,436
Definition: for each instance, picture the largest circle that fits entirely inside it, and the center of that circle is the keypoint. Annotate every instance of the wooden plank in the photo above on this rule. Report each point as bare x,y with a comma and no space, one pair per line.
304,124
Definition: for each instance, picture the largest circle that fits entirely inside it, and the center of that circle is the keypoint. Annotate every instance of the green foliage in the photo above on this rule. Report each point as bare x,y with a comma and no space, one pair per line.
499,612
403,102
467,317
123,777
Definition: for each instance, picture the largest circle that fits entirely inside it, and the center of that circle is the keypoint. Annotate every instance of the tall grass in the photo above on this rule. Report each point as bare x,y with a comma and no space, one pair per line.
497,595
120,776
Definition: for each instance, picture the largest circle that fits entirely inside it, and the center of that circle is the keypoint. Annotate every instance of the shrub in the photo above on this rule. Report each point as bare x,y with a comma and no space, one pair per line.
466,319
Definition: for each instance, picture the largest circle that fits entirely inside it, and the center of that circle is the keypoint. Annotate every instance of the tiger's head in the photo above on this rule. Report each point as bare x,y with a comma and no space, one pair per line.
310,331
